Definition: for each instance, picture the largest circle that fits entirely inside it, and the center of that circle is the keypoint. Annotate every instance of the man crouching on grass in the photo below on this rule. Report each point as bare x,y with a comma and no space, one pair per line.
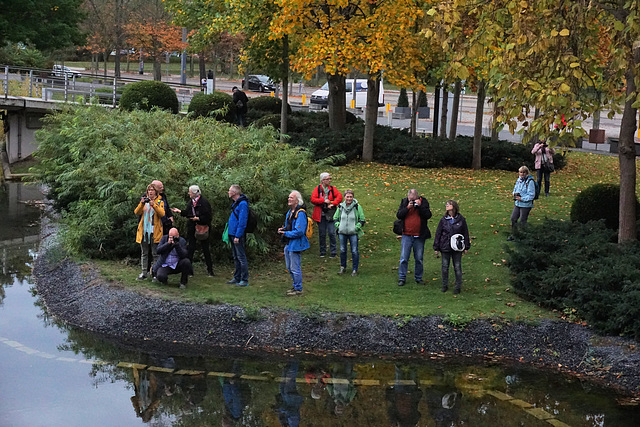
174,258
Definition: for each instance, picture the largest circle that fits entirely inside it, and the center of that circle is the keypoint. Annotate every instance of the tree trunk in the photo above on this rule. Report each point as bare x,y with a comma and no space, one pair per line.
284,113
202,66
370,117
445,111
414,113
157,68
436,109
494,123
627,159
476,162
337,101
455,109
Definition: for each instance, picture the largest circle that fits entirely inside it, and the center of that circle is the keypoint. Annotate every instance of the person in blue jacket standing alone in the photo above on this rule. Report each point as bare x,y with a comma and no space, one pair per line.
523,194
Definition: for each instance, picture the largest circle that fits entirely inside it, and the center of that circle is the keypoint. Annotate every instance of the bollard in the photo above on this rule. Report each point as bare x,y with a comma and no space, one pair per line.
353,103
304,99
273,94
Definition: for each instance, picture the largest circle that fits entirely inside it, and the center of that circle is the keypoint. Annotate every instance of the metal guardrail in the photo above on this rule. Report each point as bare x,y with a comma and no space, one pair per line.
45,84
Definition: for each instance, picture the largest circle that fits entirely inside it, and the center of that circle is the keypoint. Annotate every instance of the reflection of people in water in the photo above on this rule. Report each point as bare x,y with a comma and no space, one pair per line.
316,379
403,398
148,391
341,388
236,396
289,399
443,405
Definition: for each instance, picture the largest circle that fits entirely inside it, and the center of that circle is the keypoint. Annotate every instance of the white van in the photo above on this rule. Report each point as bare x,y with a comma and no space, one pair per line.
320,98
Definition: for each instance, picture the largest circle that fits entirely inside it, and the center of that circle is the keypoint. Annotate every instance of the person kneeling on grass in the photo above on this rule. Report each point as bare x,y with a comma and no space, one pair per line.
174,258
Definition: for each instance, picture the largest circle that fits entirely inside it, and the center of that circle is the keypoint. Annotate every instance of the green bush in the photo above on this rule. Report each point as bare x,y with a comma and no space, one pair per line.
148,94
570,265
218,105
422,99
599,202
268,104
403,100
270,119
97,162
21,56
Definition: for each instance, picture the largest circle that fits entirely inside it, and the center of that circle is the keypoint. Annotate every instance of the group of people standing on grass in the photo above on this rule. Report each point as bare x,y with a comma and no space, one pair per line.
165,252
340,218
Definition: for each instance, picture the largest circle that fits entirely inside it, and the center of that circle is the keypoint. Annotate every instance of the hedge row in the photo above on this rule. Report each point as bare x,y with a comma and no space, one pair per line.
397,147
573,266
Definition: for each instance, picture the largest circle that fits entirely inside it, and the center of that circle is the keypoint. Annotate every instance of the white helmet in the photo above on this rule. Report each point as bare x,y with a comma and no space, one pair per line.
457,242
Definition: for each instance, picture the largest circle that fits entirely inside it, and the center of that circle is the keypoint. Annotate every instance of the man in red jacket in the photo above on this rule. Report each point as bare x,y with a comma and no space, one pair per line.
325,199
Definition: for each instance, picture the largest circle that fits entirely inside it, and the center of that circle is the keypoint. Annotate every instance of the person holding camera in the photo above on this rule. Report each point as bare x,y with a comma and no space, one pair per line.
543,164
198,214
452,224
523,194
174,258
414,212
151,210
325,198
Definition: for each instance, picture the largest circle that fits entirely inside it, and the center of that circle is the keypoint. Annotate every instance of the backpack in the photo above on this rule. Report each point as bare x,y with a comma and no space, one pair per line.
309,231
252,220
536,185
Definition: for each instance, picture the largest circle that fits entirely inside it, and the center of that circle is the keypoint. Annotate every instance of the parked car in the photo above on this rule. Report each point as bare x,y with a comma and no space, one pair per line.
62,70
320,98
260,83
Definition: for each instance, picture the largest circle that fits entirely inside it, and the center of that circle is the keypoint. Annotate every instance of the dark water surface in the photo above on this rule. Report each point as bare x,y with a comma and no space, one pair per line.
53,375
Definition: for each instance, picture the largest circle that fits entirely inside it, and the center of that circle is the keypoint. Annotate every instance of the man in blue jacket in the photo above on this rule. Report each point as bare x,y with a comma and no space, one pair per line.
238,236
173,258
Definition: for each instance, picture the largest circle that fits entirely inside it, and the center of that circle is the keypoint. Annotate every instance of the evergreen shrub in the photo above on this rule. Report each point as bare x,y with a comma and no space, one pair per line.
403,100
570,265
98,162
218,105
148,94
599,202
268,104
422,99
270,119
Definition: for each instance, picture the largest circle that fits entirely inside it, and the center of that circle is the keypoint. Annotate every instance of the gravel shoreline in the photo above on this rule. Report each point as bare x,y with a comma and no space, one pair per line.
79,296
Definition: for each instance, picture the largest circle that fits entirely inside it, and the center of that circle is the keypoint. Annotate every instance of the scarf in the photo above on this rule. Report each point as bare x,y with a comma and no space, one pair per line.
147,225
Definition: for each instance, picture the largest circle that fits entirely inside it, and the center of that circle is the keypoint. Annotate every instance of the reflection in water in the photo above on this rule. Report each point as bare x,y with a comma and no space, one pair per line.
162,390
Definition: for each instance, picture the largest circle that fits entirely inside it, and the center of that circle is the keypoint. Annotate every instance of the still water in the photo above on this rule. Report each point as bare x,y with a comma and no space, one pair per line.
54,375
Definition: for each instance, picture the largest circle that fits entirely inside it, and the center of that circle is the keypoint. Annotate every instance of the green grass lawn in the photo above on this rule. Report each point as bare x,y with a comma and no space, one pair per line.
485,200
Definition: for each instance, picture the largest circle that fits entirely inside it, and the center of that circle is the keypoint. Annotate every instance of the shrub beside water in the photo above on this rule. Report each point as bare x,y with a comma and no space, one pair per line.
570,265
148,94
97,163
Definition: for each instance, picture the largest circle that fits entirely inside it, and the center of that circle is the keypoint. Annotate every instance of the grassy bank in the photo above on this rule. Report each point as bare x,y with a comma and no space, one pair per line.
485,200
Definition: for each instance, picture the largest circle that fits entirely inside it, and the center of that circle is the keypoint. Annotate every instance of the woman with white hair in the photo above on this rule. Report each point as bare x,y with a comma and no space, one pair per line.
198,214
294,236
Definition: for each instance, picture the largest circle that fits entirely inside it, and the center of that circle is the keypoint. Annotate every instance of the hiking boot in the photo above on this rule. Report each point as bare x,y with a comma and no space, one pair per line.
232,282
142,276
456,291
420,282
183,286
444,288
293,292
400,282
342,269
354,273
210,273
242,284
332,256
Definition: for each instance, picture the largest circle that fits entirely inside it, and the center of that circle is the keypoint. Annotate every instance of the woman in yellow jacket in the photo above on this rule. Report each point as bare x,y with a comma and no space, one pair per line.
151,210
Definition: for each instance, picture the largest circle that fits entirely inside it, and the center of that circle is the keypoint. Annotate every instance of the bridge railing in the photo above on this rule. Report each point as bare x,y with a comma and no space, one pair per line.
74,86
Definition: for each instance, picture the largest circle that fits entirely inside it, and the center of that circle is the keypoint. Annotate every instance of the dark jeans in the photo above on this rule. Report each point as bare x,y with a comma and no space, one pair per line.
547,182
240,258
457,267
327,227
519,213
183,267
240,117
191,248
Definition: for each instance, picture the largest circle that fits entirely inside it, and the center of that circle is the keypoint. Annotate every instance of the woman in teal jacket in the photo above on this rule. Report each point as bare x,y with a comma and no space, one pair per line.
349,219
